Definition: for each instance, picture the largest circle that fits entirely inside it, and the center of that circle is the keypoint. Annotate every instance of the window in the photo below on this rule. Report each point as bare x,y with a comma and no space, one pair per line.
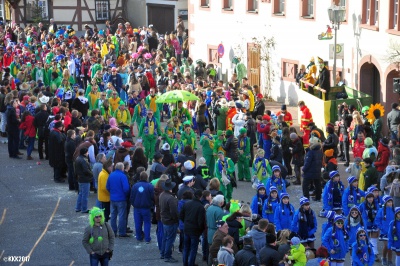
289,69
2,18
307,9
205,3
370,12
252,6
36,10
394,15
102,9
279,7
227,4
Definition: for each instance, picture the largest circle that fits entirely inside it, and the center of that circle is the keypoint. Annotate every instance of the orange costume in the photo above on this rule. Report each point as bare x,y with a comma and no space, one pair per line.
231,113
306,118
287,118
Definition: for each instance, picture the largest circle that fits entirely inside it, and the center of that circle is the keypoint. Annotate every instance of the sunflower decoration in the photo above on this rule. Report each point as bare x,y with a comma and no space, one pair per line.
372,108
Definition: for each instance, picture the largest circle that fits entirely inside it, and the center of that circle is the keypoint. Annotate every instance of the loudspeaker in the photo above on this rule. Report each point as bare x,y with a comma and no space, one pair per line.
396,85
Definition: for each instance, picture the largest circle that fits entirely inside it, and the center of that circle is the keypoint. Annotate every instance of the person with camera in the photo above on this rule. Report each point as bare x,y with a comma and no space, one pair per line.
98,239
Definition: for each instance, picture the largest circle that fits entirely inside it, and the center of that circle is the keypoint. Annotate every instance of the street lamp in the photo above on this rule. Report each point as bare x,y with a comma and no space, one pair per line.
336,15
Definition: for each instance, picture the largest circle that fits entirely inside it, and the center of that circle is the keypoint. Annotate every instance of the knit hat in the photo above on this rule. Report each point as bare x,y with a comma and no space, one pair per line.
295,241
293,136
272,189
260,186
229,133
220,223
189,165
266,117
276,168
368,142
396,211
338,218
355,207
330,215
386,198
351,179
372,189
304,200
360,229
284,195
389,170
242,131
271,238
329,153
332,174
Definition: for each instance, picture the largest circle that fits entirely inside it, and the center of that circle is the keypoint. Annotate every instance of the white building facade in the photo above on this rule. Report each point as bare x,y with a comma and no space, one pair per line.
295,25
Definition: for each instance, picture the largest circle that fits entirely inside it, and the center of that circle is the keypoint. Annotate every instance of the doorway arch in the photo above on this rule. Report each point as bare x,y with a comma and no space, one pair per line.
370,81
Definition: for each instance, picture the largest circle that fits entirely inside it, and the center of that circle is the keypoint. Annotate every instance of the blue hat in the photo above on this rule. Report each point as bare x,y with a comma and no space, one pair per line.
396,210
332,174
355,207
283,195
386,198
260,186
304,200
372,189
351,179
272,189
276,168
295,241
330,215
361,229
338,218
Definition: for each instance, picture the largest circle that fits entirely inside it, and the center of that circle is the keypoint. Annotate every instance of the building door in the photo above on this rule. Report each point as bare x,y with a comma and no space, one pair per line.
253,64
370,81
162,17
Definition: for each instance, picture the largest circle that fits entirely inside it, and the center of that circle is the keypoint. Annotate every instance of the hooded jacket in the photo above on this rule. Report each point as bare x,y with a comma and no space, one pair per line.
336,242
298,254
313,162
383,157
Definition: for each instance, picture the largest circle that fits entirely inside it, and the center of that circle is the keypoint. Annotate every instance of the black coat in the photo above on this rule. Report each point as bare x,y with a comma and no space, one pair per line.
313,162
251,127
193,216
323,80
259,109
332,142
297,152
69,148
233,231
82,170
269,255
40,122
56,149
246,256
12,121
231,148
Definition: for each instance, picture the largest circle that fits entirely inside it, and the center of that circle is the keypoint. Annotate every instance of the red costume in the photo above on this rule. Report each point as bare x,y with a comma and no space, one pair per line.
306,118
287,118
358,148
383,157
229,115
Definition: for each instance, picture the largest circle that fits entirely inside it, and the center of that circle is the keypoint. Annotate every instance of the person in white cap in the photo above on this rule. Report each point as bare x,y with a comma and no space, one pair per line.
188,182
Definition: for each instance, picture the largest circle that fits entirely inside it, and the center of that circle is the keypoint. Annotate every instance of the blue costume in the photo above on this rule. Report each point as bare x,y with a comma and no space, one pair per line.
277,182
283,216
332,195
362,254
394,235
305,225
351,196
369,212
257,203
336,239
269,207
352,225
383,219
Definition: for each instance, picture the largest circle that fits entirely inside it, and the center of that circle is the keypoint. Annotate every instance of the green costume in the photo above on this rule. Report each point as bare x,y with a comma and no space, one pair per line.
96,67
149,131
244,156
262,169
183,114
38,74
229,166
235,207
221,118
190,139
123,117
207,144
156,107
105,113
218,144
177,146
14,69
139,114
47,76
55,84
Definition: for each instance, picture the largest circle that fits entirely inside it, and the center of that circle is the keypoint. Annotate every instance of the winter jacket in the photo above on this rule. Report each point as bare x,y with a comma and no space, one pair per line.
217,243
259,240
257,203
276,152
369,216
56,149
383,157
298,153
231,148
142,195
351,225
299,224
370,177
168,208
99,247
351,196
28,126
332,195
214,213
382,220
269,255
393,119
394,235
234,228
118,186
283,216
279,183
183,188
225,257
313,162
336,241
193,215
358,148
361,255
332,142
246,256
269,209
83,170
298,254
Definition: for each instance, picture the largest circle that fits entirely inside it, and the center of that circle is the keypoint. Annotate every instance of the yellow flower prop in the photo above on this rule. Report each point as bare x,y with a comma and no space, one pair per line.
373,107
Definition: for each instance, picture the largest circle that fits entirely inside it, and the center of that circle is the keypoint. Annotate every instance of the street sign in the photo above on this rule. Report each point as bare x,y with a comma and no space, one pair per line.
221,50
339,51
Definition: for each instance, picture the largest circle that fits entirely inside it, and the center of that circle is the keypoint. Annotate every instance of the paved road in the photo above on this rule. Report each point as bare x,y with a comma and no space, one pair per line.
38,217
